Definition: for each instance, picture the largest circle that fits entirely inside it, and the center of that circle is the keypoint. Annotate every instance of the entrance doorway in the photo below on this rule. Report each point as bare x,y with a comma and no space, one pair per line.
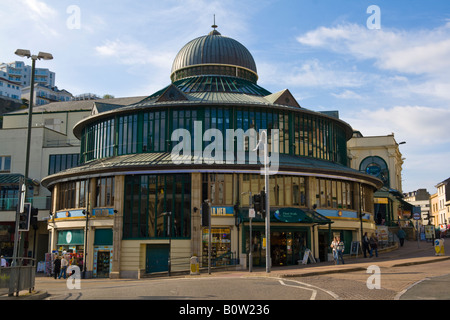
287,247
157,258
103,262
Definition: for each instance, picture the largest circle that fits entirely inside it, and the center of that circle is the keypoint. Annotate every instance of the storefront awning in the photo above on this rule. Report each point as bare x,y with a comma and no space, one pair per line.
290,215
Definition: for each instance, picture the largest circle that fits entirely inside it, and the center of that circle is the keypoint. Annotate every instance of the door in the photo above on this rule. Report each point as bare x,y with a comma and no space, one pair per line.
103,262
157,258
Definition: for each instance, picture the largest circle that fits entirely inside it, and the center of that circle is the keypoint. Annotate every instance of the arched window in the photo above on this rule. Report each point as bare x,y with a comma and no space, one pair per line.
377,167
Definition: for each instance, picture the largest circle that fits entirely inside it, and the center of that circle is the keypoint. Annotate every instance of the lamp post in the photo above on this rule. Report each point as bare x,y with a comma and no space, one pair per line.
169,215
267,204
45,56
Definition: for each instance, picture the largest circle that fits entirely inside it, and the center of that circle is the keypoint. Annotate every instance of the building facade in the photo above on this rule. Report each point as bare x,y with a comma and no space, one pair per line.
20,73
44,94
443,204
380,157
421,199
148,167
53,147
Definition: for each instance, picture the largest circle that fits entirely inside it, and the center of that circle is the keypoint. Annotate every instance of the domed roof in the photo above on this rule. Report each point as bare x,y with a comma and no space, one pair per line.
214,50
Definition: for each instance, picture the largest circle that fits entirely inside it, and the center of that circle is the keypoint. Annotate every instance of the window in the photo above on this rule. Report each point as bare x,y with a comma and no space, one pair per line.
147,197
220,188
105,192
59,162
71,195
334,194
5,163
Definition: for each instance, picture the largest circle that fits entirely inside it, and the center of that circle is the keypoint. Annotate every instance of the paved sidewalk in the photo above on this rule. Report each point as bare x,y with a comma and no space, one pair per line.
411,253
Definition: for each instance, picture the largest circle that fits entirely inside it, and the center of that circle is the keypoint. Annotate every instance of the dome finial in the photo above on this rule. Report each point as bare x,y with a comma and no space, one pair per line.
214,25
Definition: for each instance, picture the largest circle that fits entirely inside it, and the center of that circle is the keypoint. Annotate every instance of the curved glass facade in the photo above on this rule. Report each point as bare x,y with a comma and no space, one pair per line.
300,133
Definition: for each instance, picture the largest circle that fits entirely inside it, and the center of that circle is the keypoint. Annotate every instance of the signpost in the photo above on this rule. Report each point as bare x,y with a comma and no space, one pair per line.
416,216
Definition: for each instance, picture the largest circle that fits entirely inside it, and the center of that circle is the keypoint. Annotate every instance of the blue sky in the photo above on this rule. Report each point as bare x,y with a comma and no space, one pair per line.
388,80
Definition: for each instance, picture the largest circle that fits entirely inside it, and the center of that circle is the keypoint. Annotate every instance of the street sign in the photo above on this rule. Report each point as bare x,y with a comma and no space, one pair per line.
416,213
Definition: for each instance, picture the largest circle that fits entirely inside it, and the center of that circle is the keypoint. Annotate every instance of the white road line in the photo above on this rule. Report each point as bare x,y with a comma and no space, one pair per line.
305,285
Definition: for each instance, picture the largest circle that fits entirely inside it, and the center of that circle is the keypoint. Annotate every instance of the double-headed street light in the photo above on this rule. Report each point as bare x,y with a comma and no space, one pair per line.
44,56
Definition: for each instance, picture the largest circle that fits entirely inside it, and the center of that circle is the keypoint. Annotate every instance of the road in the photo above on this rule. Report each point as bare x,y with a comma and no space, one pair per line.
429,281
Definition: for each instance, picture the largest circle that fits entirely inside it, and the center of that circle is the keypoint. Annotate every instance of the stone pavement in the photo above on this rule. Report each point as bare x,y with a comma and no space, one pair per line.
412,253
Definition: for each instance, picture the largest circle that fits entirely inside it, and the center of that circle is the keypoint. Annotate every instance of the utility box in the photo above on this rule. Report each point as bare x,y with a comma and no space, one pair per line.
194,266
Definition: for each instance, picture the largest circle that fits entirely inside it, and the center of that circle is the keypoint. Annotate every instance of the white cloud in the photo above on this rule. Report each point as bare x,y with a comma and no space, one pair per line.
311,74
422,126
347,94
415,52
131,52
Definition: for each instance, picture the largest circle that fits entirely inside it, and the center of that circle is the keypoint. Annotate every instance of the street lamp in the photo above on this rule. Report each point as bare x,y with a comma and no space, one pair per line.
44,56
169,214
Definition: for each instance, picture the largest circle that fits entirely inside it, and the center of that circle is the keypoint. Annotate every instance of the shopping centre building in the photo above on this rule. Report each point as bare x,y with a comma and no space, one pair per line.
114,212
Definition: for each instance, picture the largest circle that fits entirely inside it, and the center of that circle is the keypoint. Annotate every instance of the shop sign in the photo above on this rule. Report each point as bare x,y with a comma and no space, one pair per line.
289,215
222,211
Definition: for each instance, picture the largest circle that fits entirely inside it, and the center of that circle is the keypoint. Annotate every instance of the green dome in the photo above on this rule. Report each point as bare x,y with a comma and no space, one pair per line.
214,54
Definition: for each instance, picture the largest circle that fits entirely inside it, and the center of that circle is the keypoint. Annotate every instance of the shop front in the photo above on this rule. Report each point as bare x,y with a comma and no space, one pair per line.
291,233
103,251
221,253
71,244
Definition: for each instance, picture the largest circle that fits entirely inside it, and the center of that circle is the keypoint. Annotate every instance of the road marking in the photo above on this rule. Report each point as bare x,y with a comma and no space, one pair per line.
314,291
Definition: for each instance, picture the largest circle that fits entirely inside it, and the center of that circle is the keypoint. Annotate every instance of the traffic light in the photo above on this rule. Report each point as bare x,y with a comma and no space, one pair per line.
257,202
34,216
263,204
25,217
205,214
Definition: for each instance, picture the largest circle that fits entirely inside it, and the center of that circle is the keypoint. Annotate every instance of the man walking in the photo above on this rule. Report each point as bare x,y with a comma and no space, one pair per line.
64,265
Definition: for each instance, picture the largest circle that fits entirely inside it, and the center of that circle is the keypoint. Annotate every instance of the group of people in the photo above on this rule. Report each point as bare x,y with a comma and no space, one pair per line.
338,250
60,264
369,245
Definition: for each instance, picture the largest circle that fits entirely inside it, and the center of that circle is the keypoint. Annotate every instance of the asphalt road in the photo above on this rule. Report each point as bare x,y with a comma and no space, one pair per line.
409,282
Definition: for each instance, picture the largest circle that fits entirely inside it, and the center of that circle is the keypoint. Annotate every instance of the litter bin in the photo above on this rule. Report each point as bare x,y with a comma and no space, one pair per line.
194,266
439,247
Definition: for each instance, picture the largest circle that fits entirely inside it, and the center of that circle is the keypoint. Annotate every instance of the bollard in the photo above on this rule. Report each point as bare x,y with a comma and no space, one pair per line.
194,266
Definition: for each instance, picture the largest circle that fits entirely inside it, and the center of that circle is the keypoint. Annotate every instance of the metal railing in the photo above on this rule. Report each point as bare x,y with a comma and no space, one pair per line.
16,278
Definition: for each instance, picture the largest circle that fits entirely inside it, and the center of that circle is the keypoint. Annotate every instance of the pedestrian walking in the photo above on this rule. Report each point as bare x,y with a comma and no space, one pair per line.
340,250
373,245
4,262
57,266
334,245
64,265
365,245
401,236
